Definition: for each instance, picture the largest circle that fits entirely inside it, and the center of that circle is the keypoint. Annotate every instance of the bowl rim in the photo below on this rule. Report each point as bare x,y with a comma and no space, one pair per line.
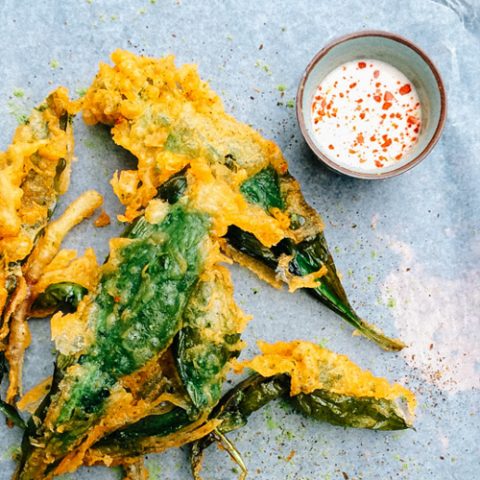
364,175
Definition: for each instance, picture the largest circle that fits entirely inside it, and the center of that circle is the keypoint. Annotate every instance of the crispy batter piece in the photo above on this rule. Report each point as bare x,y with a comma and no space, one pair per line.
313,367
42,255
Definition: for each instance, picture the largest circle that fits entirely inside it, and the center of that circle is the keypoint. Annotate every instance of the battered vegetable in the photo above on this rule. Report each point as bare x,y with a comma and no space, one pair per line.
173,122
34,171
319,383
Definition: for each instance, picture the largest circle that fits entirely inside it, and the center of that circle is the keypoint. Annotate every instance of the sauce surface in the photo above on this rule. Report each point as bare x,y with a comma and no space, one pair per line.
366,115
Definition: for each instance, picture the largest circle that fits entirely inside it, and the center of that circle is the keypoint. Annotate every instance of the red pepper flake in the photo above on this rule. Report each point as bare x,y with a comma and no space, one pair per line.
351,151
362,115
405,89
399,156
387,142
376,74
352,85
360,100
362,64
378,84
360,138
378,164
372,138
341,95
331,147
388,96
377,98
384,116
386,106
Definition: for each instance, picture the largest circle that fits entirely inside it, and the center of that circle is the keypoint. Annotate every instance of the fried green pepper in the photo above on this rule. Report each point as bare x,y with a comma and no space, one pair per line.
318,383
308,256
129,321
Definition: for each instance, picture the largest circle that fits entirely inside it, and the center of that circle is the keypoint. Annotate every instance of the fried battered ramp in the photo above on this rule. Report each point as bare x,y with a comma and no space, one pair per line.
176,126
34,171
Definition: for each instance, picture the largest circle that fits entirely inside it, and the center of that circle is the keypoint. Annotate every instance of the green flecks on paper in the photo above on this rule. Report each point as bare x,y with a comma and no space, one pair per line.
54,64
263,66
153,2
290,103
323,342
373,254
229,38
281,88
370,279
10,453
19,93
391,303
142,11
81,91
270,422
155,471
17,111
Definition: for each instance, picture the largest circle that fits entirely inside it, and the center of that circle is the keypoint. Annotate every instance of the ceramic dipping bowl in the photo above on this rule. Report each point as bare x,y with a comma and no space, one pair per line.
401,54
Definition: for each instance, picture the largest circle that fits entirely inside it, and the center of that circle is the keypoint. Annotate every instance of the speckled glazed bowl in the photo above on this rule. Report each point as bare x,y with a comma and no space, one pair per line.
403,55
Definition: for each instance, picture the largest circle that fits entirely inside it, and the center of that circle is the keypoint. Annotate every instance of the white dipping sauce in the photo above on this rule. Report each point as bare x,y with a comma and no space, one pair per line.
366,115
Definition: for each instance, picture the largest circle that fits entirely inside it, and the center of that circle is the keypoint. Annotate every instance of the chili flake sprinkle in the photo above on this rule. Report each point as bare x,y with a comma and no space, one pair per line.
366,114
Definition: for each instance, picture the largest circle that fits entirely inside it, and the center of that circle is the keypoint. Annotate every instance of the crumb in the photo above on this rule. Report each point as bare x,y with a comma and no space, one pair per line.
102,220
290,456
